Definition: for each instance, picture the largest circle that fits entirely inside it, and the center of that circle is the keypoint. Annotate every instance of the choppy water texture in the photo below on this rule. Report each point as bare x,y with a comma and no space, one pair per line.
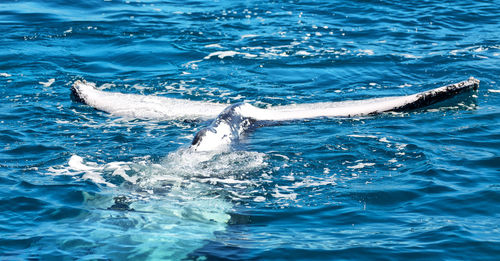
79,183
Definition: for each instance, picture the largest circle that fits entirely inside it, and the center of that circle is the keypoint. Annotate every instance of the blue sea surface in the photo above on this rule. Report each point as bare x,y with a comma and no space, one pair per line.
77,183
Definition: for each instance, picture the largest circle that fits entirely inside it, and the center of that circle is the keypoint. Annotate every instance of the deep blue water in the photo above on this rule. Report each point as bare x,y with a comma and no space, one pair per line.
418,185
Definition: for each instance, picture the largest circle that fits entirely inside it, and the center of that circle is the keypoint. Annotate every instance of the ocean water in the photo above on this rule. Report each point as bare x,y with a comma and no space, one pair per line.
76,183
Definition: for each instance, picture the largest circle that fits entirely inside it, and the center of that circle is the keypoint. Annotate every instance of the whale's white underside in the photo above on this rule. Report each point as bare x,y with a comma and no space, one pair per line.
231,121
143,106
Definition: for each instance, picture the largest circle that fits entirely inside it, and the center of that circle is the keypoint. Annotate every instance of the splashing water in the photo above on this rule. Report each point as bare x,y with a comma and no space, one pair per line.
172,207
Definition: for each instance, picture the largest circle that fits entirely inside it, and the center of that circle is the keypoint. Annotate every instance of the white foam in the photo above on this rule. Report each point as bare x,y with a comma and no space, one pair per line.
361,165
362,136
187,173
5,75
410,56
76,163
224,54
92,171
182,176
48,83
249,36
383,139
284,192
259,199
493,90
213,46
303,53
475,49
178,196
365,52
189,163
479,49
107,86
282,51
404,85
221,54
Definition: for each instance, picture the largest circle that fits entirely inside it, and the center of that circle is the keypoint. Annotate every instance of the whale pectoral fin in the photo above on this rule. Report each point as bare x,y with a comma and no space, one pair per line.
357,108
142,106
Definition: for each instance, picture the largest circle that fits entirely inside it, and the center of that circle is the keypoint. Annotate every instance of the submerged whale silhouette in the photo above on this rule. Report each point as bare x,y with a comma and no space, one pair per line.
233,121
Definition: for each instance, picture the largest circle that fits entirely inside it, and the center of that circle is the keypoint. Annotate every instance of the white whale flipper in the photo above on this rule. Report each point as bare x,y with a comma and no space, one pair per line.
142,106
232,121
236,119
356,108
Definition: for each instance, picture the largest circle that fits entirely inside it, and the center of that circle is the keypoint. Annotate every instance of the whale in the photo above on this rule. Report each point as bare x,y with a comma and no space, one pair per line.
231,122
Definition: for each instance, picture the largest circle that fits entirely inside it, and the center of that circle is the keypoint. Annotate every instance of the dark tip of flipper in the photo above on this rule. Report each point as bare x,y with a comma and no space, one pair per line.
199,135
75,94
475,83
440,94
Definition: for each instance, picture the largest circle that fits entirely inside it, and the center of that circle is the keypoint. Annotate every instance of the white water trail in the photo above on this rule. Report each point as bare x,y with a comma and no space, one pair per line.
176,205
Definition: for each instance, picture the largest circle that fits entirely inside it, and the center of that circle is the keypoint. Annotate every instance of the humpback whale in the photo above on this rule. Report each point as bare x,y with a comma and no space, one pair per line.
233,121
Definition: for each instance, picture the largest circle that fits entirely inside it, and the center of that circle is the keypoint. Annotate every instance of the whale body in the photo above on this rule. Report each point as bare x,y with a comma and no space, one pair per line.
233,121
